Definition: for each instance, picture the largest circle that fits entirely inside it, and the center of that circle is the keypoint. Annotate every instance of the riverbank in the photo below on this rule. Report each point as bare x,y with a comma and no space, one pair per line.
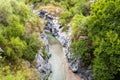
58,61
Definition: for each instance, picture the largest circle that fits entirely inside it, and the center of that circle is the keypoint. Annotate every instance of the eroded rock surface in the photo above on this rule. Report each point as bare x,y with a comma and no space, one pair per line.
53,27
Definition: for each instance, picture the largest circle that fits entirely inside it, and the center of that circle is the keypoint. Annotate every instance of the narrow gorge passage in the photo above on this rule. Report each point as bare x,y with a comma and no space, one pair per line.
59,64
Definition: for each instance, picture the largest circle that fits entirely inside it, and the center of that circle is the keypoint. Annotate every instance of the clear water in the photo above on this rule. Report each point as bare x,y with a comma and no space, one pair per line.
60,67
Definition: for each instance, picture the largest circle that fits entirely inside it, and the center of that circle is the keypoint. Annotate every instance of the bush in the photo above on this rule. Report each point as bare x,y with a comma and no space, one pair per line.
65,17
78,26
33,45
13,17
12,35
5,12
15,48
81,49
25,73
103,28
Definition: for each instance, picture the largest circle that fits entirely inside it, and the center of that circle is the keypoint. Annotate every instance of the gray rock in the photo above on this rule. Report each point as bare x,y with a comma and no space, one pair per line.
74,65
42,64
55,28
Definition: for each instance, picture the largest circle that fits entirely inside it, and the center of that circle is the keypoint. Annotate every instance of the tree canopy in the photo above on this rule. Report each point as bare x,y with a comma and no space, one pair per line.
103,28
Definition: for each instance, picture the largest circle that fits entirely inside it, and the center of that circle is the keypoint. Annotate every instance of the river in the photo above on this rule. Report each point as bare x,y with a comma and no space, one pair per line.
57,47
58,61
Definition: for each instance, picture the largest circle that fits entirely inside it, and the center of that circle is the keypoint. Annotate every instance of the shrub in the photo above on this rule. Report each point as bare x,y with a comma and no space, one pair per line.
103,28
5,12
15,48
33,45
65,17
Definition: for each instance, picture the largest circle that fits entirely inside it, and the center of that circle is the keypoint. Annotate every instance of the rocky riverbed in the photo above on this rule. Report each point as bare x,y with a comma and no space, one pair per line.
54,28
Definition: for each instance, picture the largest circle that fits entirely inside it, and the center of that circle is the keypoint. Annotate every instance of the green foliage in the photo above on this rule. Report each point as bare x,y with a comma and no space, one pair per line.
24,73
80,47
74,9
35,1
5,12
24,12
33,45
3,41
46,1
13,17
44,53
12,32
104,31
65,28
82,50
65,17
102,27
15,48
8,75
107,49
42,1
16,31
78,26
36,22
81,7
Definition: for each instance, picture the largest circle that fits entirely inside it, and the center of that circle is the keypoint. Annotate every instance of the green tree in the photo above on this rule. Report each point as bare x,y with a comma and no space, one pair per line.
12,32
5,12
15,48
78,26
33,45
13,44
103,28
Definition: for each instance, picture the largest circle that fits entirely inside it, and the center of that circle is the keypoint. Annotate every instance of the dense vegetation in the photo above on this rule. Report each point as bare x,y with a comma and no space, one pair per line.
17,45
95,33
102,46
104,31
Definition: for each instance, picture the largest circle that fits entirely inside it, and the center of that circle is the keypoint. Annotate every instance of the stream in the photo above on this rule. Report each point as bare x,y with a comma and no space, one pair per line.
59,64
56,66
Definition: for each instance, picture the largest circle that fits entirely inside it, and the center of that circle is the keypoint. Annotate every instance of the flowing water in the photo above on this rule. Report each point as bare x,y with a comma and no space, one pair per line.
58,48
58,61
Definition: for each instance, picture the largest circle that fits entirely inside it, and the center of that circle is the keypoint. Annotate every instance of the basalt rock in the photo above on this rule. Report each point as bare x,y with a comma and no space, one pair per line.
43,65
55,28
